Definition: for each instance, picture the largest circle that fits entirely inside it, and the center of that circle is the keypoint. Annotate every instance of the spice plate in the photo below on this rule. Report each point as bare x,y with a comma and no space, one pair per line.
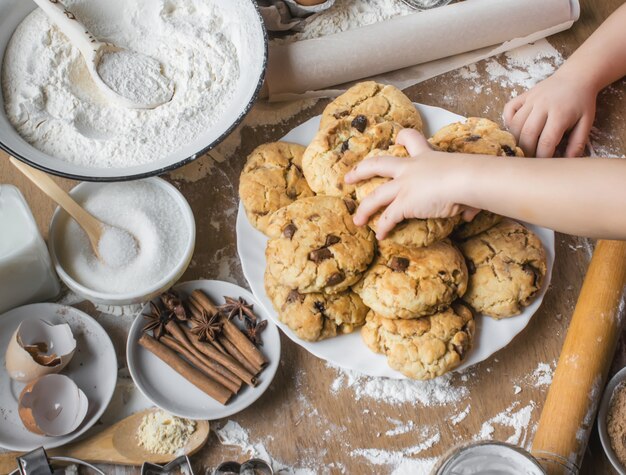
349,351
603,412
93,368
170,391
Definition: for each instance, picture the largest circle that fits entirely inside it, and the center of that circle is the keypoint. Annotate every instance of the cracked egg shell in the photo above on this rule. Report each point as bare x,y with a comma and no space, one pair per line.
38,348
52,405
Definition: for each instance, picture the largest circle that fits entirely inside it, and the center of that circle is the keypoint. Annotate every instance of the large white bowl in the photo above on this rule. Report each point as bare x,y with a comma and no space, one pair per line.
139,295
252,38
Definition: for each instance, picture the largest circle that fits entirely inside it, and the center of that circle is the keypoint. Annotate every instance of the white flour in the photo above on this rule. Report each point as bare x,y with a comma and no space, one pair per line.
346,15
55,106
135,76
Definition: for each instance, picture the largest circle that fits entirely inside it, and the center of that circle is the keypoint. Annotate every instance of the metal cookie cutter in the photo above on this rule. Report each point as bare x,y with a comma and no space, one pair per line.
37,462
251,467
178,465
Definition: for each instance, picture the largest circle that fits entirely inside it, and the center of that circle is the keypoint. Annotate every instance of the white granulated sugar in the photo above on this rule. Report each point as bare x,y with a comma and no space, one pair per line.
458,418
346,15
518,420
136,77
147,212
542,375
117,247
233,434
52,102
436,392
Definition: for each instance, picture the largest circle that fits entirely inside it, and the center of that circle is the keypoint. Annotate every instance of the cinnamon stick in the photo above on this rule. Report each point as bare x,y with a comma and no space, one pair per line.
224,359
232,334
238,355
187,371
181,337
212,373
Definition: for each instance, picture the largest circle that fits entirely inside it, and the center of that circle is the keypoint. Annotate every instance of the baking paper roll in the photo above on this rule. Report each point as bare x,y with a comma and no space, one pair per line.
421,37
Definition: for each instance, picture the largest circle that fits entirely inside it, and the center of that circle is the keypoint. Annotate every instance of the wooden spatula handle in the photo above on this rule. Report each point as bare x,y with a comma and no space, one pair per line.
569,410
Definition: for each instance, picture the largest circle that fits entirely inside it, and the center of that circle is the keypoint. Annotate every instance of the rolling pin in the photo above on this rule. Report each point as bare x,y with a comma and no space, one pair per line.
569,411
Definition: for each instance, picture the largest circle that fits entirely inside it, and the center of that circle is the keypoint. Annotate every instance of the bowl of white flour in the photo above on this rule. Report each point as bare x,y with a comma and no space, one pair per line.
153,212
52,116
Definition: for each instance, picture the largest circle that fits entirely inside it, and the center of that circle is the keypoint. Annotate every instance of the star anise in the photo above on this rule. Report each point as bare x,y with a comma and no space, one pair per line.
254,329
237,307
174,304
207,327
157,321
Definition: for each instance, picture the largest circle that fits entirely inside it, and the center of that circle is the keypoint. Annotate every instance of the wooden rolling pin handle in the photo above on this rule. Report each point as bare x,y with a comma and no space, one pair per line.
588,350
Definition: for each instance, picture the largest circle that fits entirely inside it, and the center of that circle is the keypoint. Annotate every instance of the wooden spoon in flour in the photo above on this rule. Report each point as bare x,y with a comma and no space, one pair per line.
126,78
117,445
101,236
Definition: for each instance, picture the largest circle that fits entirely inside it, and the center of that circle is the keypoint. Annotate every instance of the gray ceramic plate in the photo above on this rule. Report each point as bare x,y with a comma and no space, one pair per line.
253,39
602,413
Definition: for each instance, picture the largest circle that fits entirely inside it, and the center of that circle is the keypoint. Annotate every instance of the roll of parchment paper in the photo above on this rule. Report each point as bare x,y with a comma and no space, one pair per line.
421,37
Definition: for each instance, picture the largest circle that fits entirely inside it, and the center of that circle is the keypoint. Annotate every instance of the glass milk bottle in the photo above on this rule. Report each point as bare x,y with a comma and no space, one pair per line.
26,273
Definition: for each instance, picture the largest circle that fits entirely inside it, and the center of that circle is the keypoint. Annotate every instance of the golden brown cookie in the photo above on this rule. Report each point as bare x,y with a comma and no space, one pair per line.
423,348
316,247
380,101
476,135
316,316
410,282
336,149
272,178
410,232
507,265
481,222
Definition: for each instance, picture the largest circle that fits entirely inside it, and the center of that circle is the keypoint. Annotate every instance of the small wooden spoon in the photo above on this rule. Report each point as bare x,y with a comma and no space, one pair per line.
116,445
92,226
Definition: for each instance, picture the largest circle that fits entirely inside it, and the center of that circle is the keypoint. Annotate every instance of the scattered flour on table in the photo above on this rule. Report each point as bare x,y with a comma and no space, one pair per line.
346,15
542,375
437,392
513,417
458,418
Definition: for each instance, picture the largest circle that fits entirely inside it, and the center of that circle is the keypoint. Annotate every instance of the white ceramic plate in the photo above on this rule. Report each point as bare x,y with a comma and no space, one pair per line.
93,368
349,351
170,391
250,37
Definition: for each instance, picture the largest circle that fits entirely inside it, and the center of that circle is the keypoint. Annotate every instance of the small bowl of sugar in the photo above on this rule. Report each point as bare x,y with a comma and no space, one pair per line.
612,421
146,250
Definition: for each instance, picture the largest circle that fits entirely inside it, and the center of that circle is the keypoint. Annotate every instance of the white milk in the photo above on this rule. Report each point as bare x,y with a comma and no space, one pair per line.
26,273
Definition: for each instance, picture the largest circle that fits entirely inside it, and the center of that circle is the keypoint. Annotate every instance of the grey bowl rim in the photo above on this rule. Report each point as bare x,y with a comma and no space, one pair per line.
603,412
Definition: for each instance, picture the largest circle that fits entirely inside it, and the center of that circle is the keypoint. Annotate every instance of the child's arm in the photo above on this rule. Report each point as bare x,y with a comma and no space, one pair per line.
585,196
567,100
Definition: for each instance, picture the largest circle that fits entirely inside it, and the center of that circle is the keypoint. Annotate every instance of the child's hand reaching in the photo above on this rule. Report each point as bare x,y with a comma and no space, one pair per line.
421,187
540,117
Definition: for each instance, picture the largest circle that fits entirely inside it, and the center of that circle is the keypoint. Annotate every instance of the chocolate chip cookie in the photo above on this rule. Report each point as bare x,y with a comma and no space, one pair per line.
272,178
481,222
423,348
411,282
410,232
476,135
507,266
316,316
379,101
336,149
316,247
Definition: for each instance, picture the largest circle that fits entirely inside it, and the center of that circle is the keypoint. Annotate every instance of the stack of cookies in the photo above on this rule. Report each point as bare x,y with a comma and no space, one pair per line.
410,292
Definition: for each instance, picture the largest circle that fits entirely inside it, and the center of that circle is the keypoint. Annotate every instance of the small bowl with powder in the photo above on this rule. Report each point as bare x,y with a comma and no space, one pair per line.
612,421
145,252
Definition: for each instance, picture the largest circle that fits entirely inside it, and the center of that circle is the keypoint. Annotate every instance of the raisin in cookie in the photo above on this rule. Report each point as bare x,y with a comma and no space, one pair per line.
380,101
410,232
481,222
507,265
316,316
410,282
316,247
423,348
476,135
336,149
272,178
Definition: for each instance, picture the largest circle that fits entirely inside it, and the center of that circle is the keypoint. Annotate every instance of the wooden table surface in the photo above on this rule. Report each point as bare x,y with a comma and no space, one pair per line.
300,420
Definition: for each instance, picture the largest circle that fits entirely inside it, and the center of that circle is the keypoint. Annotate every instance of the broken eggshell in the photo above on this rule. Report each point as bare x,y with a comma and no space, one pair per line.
37,348
52,405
